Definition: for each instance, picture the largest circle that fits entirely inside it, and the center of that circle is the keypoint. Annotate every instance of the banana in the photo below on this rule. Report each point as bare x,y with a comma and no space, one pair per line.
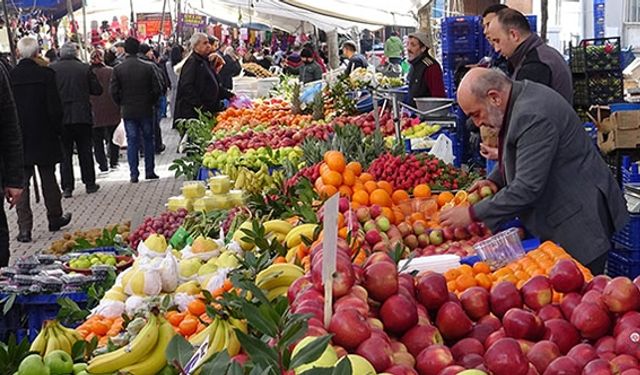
157,359
277,275
63,341
39,345
199,338
71,334
239,324
291,255
52,342
239,234
276,292
294,237
232,343
137,349
277,226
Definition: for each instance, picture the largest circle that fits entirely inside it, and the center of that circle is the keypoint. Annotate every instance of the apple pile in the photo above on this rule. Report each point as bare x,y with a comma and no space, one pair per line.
274,138
311,173
405,326
166,224
367,122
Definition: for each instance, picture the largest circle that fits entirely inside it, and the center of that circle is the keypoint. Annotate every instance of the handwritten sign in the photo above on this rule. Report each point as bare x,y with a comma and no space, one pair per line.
193,21
329,249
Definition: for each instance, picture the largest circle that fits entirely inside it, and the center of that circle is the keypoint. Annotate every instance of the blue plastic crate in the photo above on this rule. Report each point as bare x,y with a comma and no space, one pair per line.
10,323
629,236
619,265
452,61
533,22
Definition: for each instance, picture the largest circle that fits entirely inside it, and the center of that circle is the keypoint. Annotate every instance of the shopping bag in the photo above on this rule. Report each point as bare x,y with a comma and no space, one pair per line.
120,136
443,149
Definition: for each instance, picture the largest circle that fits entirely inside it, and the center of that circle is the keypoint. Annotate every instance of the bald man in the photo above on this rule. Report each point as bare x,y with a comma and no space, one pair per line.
550,175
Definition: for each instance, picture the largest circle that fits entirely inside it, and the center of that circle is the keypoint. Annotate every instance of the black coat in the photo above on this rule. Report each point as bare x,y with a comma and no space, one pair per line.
76,83
40,112
197,89
230,69
135,87
11,155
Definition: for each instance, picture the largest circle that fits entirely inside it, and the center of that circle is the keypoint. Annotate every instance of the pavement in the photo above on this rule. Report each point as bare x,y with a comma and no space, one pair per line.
117,201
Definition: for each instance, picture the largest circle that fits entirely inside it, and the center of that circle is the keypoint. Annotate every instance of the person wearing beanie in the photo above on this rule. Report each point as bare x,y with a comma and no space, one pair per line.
106,116
425,75
135,87
310,70
356,60
76,84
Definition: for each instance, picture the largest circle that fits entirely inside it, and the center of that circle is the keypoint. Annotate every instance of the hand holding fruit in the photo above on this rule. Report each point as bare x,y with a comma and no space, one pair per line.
488,152
456,217
484,188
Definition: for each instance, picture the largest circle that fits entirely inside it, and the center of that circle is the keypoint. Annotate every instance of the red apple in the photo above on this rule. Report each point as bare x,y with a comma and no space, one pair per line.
631,371
481,331
451,370
452,321
492,321
594,296
398,314
471,361
525,345
476,302
423,316
566,277
621,295
537,292
624,362
521,324
419,337
592,321
542,354
563,366
433,359
598,367
598,283
504,296
583,354
630,319
404,358
381,280
494,337
349,328
351,302
432,291
398,346
467,346
505,357
298,286
399,369
343,279
562,333
408,282
628,342
549,312
377,351
607,356
569,303
376,258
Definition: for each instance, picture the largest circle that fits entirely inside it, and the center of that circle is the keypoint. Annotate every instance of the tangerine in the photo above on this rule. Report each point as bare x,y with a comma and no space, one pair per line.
481,267
355,167
465,282
399,196
100,328
388,213
361,197
348,177
370,186
175,317
318,184
386,186
443,198
188,326
422,191
381,198
345,191
197,307
466,269
483,280
332,178
324,168
335,161
364,177
328,191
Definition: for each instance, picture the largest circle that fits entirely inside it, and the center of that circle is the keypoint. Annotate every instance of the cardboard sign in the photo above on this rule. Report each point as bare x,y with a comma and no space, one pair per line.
329,248
193,21
149,24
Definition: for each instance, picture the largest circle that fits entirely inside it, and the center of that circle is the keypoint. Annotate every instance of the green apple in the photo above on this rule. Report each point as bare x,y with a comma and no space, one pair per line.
33,365
59,362
79,367
359,365
327,359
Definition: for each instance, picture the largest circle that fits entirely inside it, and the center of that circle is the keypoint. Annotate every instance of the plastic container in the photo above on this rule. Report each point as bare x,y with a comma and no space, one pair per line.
220,184
500,249
619,265
236,197
629,237
461,34
193,189
435,263
178,202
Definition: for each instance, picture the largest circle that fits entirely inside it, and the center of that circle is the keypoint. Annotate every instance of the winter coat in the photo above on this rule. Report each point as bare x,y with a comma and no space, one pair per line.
105,111
135,87
76,83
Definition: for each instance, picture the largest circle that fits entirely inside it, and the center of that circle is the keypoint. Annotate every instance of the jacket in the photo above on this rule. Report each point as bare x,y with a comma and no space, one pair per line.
76,83
105,111
197,89
11,154
135,88
552,176
230,69
536,61
310,72
425,78
393,47
40,112
356,61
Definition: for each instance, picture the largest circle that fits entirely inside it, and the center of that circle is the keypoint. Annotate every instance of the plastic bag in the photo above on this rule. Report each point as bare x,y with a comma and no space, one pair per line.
443,149
145,281
145,252
169,273
310,92
120,136
182,300
241,101
109,309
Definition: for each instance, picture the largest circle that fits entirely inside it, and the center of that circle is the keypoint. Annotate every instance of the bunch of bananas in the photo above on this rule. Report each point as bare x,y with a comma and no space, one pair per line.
277,278
54,336
294,238
273,229
144,355
221,335
257,182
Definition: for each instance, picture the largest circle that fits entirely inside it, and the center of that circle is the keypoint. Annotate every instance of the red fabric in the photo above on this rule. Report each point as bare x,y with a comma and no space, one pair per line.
433,77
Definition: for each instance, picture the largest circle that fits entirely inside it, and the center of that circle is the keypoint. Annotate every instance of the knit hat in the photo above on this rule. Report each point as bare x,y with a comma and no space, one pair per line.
131,46
97,57
421,36
144,48
306,53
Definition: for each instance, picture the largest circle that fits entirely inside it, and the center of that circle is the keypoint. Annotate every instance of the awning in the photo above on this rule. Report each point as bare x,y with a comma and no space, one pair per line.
55,8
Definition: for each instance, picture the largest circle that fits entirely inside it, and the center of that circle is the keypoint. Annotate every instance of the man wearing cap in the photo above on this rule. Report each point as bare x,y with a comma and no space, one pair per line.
425,75
356,60
120,53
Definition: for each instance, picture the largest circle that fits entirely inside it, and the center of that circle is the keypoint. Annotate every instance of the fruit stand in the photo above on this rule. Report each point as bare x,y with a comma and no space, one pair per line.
303,243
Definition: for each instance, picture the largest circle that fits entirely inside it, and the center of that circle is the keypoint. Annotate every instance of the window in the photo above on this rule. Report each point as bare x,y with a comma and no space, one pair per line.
632,12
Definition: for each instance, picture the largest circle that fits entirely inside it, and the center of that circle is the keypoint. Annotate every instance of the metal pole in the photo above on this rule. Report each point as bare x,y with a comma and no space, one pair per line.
396,118
132,23
12,47
164,6
376,114
84,30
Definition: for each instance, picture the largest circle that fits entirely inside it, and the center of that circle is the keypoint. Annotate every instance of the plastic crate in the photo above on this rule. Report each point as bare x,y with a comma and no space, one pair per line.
619,265
453,61
10,323
460,34
629,236
533,22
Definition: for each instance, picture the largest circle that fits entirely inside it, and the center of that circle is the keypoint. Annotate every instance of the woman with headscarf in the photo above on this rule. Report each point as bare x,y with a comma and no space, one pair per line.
175,59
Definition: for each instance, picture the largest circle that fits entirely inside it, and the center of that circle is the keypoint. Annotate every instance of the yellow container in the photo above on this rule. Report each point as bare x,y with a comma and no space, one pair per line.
220,184
236,197
193,189
178,202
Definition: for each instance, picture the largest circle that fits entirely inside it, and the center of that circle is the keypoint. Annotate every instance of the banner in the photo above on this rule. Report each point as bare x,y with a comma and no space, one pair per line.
149,24
193,21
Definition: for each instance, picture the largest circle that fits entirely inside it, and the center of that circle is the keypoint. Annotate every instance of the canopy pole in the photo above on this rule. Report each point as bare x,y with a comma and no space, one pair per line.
84,30
164,7
12,47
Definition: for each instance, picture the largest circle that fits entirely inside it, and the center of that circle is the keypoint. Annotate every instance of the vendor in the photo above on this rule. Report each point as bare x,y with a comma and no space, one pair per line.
425,75
549,174
356,60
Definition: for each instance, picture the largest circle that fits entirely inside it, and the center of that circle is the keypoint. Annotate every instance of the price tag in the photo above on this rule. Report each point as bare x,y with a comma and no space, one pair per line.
329,248
190,367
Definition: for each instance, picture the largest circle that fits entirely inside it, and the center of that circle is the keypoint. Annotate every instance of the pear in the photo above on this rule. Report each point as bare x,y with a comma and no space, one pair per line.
156,242
203,245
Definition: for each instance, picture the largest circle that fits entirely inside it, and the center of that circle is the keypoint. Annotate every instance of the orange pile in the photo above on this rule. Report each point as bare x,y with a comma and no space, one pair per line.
536,262
271,113
189,322
101,327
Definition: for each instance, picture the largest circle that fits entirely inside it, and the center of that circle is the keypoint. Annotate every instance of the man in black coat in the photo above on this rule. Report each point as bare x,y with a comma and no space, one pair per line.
40,113
11,159
135,88
76,83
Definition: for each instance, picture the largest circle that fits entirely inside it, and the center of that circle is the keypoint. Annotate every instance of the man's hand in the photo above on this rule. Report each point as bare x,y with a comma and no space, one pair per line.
482,183
488,152
455,217
12,195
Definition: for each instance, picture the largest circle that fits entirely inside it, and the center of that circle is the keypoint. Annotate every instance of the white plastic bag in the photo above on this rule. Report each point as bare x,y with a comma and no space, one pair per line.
443,149
120,136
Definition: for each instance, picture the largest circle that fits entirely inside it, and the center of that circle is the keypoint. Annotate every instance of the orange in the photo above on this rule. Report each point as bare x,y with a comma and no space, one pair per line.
358,186
386,186
197,307
399,216
388,213
360,197
400,196
483,280
521,275
175,317
348,177
452,274
100,328
318,184
422,191
466,269
364,177
324,168
443,198
332,178
340,220
460,197
465,282
355,167
451,285
416,216
345,191
481,267
335,161
370,186
188,326
328,191
381,198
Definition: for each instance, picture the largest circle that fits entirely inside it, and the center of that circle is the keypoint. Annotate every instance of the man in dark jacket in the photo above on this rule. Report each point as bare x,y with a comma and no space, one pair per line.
310,70
76,83
146,54
230,69
40,113
11,159
527,54
425,75
136,89
356,60
198,87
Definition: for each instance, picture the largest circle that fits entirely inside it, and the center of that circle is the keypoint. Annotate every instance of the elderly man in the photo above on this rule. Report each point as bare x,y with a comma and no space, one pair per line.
198,88
549,175
40,113
425,75
135,87
527,54
76,83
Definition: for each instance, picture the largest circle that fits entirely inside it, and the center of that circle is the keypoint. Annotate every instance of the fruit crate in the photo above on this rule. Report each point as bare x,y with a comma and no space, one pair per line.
461,34
29,312
577,59
602,53
605,87
619,265
629,237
